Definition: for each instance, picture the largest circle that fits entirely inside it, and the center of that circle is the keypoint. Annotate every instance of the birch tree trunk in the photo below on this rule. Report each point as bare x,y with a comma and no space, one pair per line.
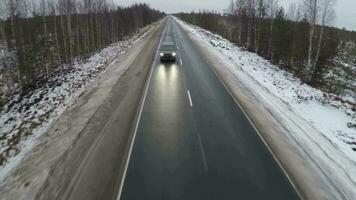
88,34
92,25
2,32
45,38
270,51
78,35
240,30
12,19
9,77
328,14
319,45
258,29
64,40
22,57
310,48
250,22
312,15
13,37
69,38
57,42
97,31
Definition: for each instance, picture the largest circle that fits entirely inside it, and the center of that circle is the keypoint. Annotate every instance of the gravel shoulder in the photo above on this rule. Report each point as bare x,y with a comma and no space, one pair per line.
89,142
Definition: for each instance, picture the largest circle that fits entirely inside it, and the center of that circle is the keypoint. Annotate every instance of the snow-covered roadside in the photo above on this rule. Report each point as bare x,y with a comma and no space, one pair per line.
24,119
318,123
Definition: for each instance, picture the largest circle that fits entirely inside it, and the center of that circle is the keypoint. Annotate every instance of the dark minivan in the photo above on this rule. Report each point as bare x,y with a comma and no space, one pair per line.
168,51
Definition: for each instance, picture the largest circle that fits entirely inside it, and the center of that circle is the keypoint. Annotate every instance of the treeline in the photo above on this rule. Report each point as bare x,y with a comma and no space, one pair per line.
42,37
293,40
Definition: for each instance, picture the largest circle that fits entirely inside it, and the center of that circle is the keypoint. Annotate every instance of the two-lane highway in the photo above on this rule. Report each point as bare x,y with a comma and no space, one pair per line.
193,141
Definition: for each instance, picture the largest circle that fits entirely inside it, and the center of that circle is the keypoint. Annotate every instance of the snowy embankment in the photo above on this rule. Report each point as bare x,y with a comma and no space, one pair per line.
320,124
25,118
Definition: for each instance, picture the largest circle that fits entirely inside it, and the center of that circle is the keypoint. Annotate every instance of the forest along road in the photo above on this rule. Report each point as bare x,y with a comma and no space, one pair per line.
193,141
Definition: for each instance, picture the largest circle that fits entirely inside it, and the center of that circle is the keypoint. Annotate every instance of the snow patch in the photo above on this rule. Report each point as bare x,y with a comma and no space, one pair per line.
24,118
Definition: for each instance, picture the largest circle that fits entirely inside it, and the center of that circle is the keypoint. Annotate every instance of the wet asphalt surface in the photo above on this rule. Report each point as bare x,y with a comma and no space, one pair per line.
193,141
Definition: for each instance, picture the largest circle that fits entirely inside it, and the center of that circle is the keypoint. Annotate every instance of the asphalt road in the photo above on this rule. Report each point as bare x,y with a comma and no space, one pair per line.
193,141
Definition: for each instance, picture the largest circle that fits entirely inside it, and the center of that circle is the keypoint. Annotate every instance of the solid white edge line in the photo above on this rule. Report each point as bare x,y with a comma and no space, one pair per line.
139,118
203,153
262,139
259,134
190,99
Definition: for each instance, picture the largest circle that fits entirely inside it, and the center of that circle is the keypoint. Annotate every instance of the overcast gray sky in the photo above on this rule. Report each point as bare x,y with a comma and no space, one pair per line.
345,9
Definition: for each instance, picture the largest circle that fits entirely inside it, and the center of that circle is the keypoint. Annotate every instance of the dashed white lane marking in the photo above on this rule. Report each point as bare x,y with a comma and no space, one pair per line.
202,152
181,62
190,99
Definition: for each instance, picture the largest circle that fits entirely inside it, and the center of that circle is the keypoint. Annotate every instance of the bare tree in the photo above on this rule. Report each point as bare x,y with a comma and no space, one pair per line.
12,13
292,11
240,12
87,11
69,8
3,16
251,16
261,7
78,6
62,10
14,7
8,75
310,8
51,7
327,15
231,8
99,7
44,14
272,11
230,11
